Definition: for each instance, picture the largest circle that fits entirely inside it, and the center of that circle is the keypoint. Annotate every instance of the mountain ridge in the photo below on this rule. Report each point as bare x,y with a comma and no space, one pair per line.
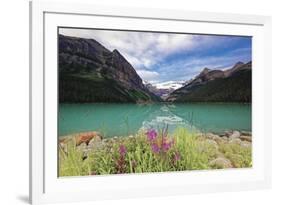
217,86
89,72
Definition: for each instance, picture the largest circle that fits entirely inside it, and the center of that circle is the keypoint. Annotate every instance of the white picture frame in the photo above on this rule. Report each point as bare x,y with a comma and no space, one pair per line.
46,187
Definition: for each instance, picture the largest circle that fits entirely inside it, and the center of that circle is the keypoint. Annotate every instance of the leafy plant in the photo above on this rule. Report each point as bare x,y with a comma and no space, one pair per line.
149,151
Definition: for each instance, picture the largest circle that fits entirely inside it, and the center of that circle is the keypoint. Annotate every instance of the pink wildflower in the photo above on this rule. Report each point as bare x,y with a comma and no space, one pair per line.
151,134
155,148
122,150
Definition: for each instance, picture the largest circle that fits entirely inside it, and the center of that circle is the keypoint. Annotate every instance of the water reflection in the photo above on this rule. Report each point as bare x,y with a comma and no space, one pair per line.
165,116
125,119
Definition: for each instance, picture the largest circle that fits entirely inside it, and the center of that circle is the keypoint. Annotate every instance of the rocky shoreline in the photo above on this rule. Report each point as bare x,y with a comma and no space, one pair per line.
242,139
88,141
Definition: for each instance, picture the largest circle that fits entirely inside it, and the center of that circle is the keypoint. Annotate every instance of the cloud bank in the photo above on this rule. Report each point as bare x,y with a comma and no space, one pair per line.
160,57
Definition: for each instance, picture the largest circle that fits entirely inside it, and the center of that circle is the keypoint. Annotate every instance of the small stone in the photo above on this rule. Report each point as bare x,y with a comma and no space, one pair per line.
211,136
95,140
246,144
220,163
235,134
219,154
235,141
86,137
95,145
246,133
212,143
225,138
221,134
207,145
228,133
246,138
218,139
237,160
82,147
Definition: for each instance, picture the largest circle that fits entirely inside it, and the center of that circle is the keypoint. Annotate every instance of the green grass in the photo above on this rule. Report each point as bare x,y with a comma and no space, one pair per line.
192,151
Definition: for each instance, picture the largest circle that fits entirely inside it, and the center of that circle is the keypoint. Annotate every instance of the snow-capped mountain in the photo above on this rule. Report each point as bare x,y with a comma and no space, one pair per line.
163,89
170,85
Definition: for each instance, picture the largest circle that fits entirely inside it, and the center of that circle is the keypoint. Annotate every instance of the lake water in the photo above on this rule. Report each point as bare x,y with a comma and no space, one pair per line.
123,119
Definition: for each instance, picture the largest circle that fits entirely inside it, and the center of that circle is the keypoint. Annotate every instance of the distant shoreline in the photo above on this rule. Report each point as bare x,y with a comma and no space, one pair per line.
219,134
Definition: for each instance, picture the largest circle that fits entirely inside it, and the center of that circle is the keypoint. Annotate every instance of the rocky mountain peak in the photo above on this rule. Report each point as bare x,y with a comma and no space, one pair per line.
217,86
238,64
206,75
99,74
124,71
205,71
116,51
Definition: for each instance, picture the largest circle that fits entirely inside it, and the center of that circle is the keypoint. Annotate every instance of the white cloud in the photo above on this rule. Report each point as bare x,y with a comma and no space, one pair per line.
141,49
147,51
187,68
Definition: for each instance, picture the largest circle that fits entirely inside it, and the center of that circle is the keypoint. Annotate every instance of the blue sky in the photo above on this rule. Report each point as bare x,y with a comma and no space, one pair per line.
161,57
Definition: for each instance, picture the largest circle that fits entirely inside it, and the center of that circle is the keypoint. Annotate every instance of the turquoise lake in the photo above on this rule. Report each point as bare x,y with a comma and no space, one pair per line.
125,119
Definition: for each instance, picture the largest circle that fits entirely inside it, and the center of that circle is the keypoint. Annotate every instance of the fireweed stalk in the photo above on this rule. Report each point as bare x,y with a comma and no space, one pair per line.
163,147
120,162
159,144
